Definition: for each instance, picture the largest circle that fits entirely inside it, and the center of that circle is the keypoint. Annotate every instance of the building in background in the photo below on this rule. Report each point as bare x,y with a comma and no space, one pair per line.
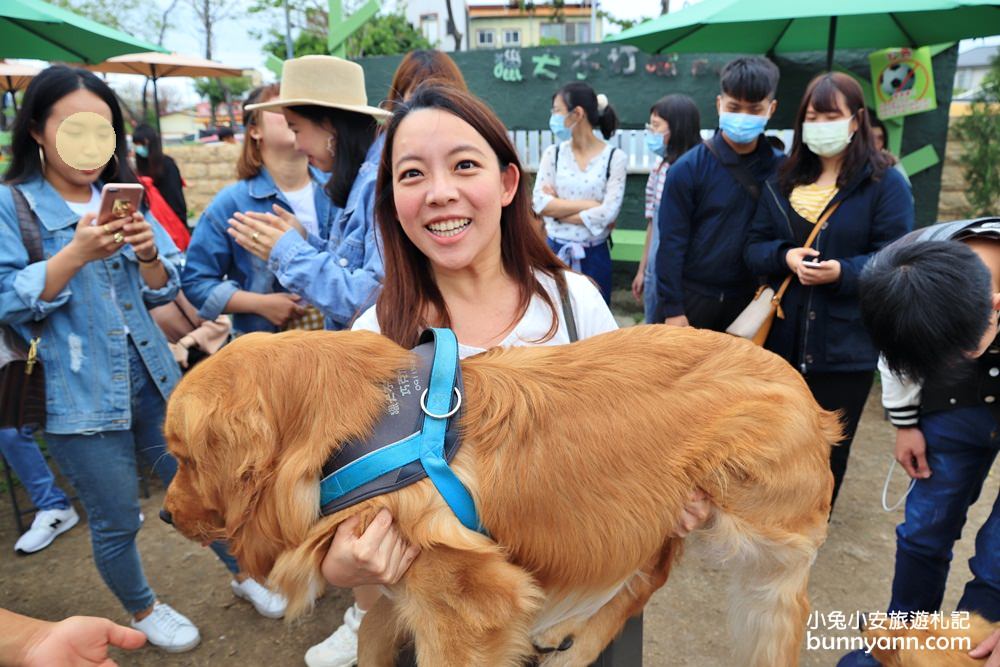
973,66
501,25
430,17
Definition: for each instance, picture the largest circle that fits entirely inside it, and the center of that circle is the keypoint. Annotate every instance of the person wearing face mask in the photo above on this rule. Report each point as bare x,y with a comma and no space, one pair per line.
151,161
580,183
833,166
673,129
708,201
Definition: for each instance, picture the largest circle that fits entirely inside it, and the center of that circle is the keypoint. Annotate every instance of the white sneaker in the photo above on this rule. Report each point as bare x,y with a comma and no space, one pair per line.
168,629
47,526
341,648
267,603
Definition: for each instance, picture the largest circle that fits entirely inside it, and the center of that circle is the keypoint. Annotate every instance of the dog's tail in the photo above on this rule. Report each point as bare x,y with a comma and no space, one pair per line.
768,603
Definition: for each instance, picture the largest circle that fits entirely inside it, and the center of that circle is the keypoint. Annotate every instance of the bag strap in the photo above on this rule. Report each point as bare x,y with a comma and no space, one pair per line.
776,299
567,309
739,171
31,236
607,169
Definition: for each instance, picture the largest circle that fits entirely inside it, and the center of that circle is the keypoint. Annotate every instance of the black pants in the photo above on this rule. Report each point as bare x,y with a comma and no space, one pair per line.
711,312
846,392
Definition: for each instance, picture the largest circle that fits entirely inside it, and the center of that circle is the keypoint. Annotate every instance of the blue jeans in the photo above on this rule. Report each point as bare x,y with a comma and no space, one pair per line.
103,468
596,265
24,457
649,277
961,446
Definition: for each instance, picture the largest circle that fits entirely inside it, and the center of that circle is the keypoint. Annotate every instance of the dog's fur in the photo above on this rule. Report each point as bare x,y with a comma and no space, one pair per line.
579,457
900,655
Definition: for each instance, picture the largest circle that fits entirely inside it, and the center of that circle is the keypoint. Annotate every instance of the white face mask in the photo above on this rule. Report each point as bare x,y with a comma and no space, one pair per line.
827,138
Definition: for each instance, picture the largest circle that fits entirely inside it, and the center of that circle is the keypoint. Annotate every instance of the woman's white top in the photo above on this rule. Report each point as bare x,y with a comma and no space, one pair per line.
591,313
570,182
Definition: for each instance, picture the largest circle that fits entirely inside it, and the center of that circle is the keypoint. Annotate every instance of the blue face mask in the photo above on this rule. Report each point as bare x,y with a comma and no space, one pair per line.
142,151
654,142
742,128
557,124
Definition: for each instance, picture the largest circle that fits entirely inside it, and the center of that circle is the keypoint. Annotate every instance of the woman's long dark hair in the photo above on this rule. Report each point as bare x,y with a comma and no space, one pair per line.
50,86
354,134
152,164
682,117
409,291
578,94
803,166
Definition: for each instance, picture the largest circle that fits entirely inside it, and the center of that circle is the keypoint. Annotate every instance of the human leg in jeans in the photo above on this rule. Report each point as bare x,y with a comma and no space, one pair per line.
961,446
55,515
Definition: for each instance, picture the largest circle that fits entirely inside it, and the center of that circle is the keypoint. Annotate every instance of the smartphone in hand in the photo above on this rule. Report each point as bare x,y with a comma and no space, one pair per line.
118,200
813,262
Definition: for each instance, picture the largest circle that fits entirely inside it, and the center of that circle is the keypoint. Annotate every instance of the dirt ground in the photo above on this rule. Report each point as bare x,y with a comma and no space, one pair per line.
684,622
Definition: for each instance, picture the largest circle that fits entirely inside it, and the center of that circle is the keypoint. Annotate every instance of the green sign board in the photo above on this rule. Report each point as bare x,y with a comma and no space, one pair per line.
903,82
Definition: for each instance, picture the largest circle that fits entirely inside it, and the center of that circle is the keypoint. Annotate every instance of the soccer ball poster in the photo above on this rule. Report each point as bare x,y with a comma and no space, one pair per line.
903,81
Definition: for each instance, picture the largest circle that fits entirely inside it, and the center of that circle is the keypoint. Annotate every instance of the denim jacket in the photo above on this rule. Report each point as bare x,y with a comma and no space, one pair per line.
343,279
84,344
216,267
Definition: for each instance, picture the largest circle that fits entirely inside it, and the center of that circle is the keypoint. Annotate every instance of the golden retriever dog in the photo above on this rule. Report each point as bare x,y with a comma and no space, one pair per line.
931,646
580,459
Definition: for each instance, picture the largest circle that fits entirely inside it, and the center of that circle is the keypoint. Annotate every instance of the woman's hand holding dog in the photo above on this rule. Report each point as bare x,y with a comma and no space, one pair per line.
989,648
696,513
379,556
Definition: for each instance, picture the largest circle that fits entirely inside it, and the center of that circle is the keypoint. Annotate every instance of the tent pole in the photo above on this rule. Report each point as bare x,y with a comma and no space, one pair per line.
156,101
831,41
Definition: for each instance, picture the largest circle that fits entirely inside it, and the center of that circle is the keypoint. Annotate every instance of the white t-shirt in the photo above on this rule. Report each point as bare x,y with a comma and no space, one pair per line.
92,206
303,205
589,309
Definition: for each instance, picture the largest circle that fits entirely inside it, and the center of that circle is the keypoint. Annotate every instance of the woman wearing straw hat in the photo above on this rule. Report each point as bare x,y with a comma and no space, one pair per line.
325,104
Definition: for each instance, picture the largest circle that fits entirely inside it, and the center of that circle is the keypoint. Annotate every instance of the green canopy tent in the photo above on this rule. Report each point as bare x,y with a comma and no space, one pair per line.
781,26
38,30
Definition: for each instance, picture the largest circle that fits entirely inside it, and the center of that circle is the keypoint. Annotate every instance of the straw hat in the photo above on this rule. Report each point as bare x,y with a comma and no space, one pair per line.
324,81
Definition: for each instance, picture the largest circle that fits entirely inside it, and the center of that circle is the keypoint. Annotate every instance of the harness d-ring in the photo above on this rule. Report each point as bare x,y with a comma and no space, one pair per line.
423,405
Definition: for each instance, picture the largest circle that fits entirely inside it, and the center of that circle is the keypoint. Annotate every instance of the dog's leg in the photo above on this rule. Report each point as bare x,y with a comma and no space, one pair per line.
380,636
593,635
768,605
468,609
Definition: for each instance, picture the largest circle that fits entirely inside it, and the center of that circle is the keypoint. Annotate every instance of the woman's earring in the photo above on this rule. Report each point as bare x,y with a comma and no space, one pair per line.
41,156
329,145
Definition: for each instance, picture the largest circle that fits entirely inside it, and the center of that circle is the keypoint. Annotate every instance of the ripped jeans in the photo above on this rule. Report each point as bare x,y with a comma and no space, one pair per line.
103,468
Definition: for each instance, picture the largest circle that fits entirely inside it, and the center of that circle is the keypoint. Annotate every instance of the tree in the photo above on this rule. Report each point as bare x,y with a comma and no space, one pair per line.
135,17
622,24
210,13
451,28
980,159
384,35
219,90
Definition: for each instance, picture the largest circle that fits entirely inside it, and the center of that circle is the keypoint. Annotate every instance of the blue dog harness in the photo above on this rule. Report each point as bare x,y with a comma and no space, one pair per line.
421,427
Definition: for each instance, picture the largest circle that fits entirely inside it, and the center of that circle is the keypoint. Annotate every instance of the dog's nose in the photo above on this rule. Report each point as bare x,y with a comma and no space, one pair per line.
165,517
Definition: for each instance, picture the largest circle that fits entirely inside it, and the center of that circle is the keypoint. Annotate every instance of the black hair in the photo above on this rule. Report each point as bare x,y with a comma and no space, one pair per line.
353,136
682,117
752,79
45,90
152,164
225,132
578,94
927,304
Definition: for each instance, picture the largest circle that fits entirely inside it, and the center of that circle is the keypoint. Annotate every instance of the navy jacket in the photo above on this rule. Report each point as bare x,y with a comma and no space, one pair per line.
822,329
703,219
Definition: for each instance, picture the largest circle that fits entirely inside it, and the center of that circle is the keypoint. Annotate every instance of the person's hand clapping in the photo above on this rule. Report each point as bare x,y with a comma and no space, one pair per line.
379,555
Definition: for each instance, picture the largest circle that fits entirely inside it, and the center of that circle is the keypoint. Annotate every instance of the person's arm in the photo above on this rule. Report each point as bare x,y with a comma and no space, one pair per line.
597,219
544,198
892,218
338,285
677,210
376,555
157,257
638,282
764,251
79,641
205,278
901,398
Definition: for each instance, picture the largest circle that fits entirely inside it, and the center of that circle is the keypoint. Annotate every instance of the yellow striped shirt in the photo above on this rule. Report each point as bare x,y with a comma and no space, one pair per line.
810,200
